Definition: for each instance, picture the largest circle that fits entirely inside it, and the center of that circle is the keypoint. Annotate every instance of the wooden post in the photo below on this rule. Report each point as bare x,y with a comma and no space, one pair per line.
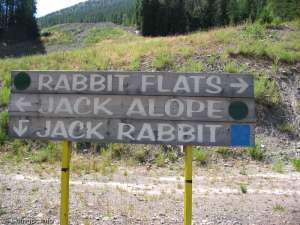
65,175
188,149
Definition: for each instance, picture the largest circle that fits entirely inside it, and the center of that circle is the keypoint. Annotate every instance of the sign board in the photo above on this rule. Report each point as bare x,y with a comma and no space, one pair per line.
133,107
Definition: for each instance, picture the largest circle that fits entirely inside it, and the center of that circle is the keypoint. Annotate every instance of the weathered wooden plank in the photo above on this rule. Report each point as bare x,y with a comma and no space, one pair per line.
132,131
206,109
133,83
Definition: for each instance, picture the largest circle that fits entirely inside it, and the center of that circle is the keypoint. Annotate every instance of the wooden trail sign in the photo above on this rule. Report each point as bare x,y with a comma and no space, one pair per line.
133,107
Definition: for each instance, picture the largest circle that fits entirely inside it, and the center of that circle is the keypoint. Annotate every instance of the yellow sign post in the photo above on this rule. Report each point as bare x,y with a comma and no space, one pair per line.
188,149
65,175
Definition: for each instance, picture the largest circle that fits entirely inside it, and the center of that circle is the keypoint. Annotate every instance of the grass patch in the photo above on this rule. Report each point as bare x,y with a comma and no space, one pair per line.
243,188
255,40
266,91
225,152
3,126
201,156
17,151
4,96
102,164
296,164
192,66
163,60
256,153
2,211
278,166
54,35
50,153
256,31
279,208
179,186
286,127
97,35
160,159
233,67
211,60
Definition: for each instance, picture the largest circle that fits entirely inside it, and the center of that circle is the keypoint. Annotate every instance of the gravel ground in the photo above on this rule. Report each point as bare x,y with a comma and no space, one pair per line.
141,196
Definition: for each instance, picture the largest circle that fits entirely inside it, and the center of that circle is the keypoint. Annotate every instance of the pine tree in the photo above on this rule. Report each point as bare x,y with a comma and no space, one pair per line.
17,20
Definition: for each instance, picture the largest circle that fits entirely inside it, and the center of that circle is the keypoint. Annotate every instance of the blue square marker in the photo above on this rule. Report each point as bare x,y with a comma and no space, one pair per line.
240,135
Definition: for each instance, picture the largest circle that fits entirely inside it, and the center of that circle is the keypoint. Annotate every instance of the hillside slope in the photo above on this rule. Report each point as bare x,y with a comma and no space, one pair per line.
271,53
117,11
144,184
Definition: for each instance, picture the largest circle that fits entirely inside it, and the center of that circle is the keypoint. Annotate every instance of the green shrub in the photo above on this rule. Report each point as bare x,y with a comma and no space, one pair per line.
171,155
234,67
201,156
266,91
211,60
160,159
3,119
163,60
225,152
3,126
278,207
4,96
192,66
256,153
256,31
296,164
278,166
286,127
119,151
17,152
50,153
243,188
140,155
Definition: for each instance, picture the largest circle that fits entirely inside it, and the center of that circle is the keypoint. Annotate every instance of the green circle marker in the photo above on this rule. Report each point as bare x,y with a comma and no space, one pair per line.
22,81
238,110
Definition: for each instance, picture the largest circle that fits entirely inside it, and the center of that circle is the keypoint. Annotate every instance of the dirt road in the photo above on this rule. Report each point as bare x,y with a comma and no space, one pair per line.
144,196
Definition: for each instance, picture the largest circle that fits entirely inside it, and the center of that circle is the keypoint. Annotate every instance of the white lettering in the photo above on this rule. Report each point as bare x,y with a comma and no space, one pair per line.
182,85
197,83
186,133
47,130
165,132
59,130
44,82
97,82
79,82
212,111
212,131
146,132
152,109
215,83
160,88
121,79
177,105
80,101
136,107
64,106
146,82
101,106
62,83
92,131
190,109
200,133
76,127
122,134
